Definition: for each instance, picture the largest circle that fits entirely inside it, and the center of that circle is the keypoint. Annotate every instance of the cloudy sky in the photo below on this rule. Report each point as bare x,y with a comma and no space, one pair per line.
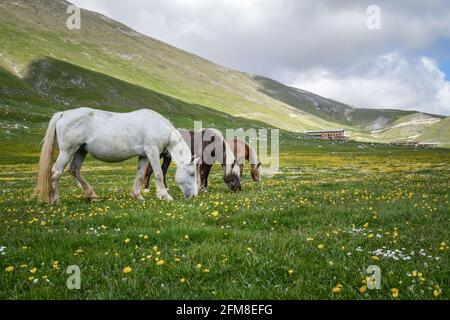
323,46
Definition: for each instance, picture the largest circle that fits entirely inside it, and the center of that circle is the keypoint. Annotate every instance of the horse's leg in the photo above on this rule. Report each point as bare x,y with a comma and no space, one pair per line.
146,178
161,190
165,166
75,168
63,160
205,169
142,166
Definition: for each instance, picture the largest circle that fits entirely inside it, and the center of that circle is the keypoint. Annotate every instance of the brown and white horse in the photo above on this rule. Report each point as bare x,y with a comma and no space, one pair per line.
244,152
209,146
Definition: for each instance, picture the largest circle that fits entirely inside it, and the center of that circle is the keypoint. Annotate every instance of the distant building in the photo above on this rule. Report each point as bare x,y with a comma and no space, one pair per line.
334,135
416,144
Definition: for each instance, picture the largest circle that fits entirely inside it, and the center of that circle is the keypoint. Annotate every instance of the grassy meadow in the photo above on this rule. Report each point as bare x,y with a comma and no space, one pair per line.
309,232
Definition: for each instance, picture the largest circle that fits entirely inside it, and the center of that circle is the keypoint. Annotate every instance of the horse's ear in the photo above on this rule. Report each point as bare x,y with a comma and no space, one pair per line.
259,165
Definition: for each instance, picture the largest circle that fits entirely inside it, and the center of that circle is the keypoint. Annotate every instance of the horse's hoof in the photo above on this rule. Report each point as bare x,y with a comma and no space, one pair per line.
146,190
140,198
203,190
165,197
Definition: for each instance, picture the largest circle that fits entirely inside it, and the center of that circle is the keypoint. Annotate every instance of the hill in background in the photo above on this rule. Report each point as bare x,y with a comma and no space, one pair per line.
45,67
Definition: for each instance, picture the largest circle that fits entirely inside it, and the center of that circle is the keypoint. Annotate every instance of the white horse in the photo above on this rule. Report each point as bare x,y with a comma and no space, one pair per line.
113,137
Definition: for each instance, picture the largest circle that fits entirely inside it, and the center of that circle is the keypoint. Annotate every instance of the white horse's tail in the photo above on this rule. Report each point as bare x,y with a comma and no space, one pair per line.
43,188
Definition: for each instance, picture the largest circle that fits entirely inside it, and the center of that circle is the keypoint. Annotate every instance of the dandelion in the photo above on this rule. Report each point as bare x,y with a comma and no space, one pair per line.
127,241
127,270
290,271
186,237
250,250
160,262
394,293
375,258
363,289
366,225
320,246
183,280
215,214
437,291
9,269
370,236
310,239
206,270
337,289
33,271
145,237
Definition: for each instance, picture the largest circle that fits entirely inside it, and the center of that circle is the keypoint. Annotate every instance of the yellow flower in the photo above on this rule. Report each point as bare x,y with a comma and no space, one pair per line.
205,270
127,270
375,258
321,246
394,292
363,289
9,269
310,239
127,240
30,279
145,237
160,262
215,214
186,237
366,225
250,250
436,293
34,270
414,273
155,248
337,289
183,280
290,271
370,236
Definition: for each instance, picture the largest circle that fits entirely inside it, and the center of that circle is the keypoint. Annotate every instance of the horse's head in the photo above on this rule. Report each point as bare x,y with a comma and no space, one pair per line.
256,172
186,178
233,179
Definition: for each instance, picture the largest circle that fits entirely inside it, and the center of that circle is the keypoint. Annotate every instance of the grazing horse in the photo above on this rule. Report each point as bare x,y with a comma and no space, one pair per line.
243,151
209,146
113,137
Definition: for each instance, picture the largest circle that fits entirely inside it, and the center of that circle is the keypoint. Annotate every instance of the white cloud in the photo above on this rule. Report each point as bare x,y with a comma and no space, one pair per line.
389,81
282,38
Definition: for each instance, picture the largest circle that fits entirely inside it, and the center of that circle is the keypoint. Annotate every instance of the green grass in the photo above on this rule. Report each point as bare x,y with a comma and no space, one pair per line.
246,241
336,194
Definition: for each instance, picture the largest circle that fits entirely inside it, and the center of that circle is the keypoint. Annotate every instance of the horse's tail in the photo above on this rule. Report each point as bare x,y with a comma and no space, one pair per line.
43,187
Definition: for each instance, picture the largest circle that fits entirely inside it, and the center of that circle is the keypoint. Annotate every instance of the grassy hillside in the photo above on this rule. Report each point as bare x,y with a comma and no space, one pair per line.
33,30
437,133
363,124
108,65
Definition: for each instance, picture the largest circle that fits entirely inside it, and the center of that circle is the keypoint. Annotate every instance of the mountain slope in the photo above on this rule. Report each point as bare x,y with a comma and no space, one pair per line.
31,30
438,133
379,123
108,65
